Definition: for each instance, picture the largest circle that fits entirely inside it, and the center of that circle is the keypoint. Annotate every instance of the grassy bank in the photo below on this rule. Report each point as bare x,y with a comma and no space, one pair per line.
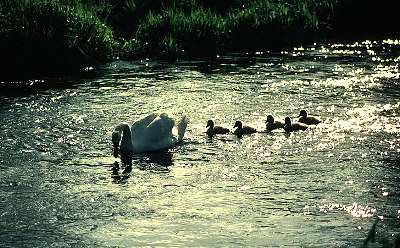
52,36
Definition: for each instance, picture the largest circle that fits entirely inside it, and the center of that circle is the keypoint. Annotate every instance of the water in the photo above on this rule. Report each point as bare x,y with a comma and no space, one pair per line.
324,187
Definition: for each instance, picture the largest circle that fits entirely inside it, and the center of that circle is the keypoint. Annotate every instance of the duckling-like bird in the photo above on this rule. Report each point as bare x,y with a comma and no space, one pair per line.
308,119
213,129
243,129
272,124
289,126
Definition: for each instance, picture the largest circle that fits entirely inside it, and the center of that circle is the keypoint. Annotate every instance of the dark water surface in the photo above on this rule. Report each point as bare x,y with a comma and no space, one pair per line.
324,187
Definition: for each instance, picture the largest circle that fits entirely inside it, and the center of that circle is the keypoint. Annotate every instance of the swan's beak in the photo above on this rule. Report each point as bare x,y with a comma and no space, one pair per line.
116,149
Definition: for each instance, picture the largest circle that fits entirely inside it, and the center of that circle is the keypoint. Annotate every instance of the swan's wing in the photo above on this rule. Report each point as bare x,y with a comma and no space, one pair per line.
179,130
152,128
138,128
154,132
159,129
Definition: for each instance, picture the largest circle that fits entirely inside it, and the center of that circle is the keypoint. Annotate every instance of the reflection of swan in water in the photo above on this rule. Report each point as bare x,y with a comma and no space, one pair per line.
155,161
120,177
156,131
152,161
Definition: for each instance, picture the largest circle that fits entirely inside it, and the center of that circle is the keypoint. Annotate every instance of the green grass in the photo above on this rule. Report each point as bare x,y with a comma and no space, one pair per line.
52,36
269,24
174,33
41,37
262,24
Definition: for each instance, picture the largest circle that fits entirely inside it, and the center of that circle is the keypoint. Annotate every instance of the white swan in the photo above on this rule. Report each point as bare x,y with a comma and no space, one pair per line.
154,132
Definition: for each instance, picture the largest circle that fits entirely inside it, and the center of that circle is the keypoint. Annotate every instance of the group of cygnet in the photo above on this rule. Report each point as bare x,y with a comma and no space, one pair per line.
272,124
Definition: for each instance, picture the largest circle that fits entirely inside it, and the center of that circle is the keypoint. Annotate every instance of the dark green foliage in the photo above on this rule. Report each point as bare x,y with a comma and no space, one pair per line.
240,25
175,33
42,36
267,24
45,36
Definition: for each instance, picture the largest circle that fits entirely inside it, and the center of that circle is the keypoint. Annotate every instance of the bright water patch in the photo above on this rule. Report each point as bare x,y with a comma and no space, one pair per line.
323,187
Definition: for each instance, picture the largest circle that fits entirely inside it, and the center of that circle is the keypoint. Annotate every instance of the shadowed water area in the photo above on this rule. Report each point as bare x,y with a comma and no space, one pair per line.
324,187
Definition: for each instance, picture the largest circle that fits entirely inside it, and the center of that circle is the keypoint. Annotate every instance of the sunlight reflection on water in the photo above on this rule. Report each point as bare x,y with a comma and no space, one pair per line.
355,210
267,188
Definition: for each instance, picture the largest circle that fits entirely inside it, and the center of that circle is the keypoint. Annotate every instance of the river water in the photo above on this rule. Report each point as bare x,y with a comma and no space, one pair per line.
324,187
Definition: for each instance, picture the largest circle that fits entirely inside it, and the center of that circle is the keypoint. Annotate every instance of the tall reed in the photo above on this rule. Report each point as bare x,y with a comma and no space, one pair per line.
43,36
259,24
176,33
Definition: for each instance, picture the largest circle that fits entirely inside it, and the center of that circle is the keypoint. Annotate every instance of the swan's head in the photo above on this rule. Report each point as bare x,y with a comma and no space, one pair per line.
238,124
303,113
270,119
210,124
116,138
117,135
288,121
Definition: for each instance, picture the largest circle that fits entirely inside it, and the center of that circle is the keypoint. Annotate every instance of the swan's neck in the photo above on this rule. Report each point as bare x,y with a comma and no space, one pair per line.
126,141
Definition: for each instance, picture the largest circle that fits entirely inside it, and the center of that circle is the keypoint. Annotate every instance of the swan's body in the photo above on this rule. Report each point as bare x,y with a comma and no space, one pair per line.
243,129
215,129
154,132
308,119
272,124
289,126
